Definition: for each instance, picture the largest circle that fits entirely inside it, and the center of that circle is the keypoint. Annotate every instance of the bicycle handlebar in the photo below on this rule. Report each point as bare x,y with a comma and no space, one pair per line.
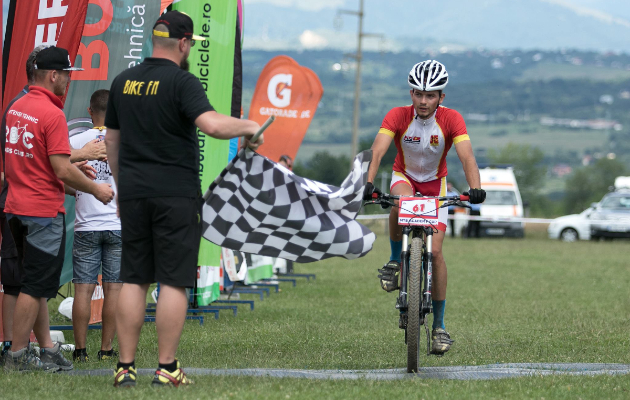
378,196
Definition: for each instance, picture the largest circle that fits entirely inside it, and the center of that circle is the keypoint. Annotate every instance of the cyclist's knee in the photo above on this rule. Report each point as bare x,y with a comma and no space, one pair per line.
437,254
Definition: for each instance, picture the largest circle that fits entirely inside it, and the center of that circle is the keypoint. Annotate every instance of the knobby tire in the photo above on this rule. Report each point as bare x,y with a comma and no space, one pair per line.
414,295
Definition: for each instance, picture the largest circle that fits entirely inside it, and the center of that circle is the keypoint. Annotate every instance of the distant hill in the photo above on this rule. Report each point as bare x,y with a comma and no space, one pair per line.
456,24
503,95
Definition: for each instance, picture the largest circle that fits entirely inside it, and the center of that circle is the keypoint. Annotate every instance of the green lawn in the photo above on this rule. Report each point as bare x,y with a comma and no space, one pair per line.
531,300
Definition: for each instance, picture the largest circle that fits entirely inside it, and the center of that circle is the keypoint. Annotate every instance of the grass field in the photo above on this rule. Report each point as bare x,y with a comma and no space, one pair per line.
531,300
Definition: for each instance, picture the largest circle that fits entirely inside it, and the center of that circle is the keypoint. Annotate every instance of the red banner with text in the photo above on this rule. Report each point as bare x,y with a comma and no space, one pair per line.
34,23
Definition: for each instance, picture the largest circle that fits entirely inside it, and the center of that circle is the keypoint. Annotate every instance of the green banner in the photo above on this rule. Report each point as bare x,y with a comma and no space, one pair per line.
208,285
212,61
261,268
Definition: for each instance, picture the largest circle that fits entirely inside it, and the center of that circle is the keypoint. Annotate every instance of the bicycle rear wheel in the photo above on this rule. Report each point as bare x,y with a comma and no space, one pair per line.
414,293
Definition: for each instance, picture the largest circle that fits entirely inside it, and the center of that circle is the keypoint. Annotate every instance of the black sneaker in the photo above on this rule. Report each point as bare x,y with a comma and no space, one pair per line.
390,276
104,355
55,356
80,356
24,360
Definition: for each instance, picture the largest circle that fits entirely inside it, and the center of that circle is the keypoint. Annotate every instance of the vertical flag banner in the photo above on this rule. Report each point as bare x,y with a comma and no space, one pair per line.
1,77
214,62
291,93
114,39
33,23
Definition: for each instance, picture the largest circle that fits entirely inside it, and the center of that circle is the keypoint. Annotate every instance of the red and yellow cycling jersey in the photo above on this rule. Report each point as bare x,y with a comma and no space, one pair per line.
423,143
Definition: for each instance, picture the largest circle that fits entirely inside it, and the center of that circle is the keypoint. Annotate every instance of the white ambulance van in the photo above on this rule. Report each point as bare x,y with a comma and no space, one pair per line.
503,200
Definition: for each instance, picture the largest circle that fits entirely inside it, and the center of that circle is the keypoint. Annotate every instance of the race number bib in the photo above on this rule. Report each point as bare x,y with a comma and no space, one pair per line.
418,211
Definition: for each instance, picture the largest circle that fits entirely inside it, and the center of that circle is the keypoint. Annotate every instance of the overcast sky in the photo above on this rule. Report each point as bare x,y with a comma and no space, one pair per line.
607,12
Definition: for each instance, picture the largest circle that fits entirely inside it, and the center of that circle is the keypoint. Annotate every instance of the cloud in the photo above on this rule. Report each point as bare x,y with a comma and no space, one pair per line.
311,40
590,12
309,5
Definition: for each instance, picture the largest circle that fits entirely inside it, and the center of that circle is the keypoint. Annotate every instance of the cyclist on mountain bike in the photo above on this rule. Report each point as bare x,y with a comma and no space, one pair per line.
423,133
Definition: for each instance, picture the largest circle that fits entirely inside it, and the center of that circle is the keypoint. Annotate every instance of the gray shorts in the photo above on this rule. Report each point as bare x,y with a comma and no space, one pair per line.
41,246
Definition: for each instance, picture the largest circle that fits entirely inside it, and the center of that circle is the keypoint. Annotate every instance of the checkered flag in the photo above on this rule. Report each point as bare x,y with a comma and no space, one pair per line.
257,206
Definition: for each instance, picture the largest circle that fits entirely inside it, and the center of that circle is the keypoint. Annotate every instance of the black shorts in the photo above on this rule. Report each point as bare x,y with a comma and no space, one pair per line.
160,240
11,270
41,248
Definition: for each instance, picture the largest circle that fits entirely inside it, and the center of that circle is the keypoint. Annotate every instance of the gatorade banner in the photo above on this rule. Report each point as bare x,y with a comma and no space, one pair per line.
31,23
216,62
291,93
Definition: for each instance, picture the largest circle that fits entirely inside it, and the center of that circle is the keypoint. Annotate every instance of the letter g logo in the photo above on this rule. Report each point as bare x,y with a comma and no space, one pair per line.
279,91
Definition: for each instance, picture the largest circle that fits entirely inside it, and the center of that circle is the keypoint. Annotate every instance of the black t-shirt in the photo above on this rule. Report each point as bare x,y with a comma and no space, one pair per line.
154,105
3,143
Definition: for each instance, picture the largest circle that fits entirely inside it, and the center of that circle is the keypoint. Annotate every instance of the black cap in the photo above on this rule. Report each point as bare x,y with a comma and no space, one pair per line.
54,58
179,26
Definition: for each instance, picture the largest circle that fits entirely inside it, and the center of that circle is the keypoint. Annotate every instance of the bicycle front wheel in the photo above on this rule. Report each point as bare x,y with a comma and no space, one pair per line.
414,295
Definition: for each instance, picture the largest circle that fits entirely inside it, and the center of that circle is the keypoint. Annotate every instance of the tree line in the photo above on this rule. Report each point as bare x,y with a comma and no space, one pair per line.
584,185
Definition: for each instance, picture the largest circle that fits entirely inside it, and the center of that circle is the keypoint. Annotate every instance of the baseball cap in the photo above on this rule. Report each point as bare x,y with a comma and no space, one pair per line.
54,58
179,26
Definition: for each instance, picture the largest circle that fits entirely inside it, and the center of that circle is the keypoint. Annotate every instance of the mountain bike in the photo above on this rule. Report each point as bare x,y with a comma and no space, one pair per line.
418,215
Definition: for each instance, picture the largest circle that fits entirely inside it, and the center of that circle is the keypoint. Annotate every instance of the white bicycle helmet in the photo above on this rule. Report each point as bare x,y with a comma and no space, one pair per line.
428,75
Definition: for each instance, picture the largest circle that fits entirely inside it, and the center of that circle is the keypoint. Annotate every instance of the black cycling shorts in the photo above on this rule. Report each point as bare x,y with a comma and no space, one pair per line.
160,240
11,270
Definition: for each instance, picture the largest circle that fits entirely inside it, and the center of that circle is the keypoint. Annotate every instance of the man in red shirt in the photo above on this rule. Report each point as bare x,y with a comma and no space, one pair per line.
11,270
37,166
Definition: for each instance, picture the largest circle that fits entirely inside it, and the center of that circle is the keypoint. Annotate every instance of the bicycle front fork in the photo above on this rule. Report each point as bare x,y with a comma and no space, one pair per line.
428,266
401,302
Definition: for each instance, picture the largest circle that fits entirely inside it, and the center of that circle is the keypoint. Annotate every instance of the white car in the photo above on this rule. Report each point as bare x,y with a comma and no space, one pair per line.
571,228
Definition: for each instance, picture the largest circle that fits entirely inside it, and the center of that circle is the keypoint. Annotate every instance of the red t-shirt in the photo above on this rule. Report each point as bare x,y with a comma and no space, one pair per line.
36,128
